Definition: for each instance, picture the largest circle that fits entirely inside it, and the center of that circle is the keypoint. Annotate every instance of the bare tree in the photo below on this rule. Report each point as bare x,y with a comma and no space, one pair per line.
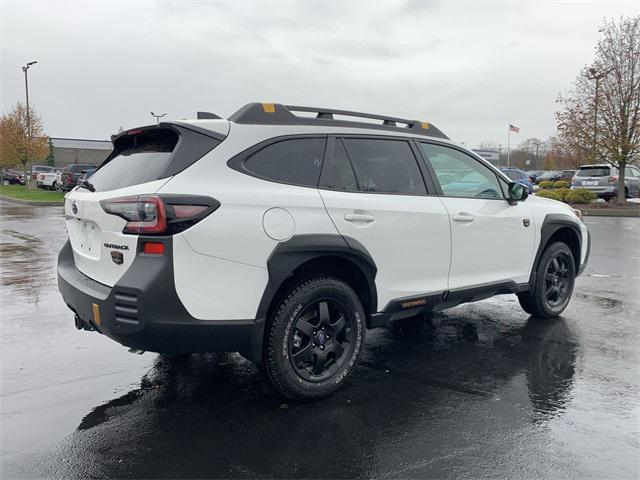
600,117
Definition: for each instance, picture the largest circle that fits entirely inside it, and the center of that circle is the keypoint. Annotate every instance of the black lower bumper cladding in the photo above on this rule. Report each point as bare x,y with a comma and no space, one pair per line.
143,311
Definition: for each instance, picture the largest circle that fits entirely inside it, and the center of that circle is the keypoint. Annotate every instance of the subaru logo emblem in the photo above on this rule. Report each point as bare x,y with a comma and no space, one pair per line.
74,208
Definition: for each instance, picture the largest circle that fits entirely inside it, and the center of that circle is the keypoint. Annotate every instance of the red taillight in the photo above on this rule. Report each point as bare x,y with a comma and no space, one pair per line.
186,211
613,179
153,248
160,215
144,214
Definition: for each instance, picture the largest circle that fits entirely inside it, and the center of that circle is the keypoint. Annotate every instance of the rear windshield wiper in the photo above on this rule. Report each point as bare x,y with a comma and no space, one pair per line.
88,185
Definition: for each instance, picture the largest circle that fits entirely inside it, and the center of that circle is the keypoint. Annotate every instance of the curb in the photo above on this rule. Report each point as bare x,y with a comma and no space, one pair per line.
17,201
603,212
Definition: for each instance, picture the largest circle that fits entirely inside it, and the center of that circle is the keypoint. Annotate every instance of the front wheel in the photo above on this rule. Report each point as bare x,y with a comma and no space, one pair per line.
315,338
553,286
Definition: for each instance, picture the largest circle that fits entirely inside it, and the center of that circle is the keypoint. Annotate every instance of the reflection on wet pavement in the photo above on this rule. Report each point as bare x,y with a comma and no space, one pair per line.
477,391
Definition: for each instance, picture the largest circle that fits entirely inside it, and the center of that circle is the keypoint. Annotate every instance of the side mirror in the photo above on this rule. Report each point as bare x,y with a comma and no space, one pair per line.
517,193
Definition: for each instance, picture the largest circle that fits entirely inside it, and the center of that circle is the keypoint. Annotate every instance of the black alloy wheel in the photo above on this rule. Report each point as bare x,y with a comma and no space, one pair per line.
551,290
556,279
321,340
314,338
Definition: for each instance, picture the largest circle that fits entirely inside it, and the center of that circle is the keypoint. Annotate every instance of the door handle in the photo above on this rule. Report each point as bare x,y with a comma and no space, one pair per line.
463,217
358,217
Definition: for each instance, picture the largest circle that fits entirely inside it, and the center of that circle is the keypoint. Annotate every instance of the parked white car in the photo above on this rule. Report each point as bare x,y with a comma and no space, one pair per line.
50,180
285,237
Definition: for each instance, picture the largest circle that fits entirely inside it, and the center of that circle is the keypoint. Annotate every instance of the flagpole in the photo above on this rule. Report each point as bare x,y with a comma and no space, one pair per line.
509,146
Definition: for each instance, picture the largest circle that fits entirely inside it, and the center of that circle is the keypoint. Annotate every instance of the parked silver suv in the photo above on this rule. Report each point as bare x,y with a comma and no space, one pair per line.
603,180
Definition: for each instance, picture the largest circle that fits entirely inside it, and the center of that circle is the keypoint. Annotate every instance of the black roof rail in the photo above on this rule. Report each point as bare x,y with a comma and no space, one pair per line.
278,114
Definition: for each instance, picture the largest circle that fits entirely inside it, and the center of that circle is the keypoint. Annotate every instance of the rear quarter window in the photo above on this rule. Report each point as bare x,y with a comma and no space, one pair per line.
296,161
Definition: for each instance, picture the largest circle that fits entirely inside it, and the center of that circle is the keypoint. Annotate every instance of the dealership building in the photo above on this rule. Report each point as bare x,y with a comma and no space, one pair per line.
65,151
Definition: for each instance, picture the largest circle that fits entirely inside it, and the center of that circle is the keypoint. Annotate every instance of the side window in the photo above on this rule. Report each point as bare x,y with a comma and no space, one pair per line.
384,166
338,174
461,175
297,161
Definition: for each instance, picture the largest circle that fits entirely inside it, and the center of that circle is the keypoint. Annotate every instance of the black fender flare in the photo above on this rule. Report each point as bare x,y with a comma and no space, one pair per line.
551,224
287,256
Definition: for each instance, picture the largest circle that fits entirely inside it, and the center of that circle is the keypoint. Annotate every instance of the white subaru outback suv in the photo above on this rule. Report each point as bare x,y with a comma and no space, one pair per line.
284,233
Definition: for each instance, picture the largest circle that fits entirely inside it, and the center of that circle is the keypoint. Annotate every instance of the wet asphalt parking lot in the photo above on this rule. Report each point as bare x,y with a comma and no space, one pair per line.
482,390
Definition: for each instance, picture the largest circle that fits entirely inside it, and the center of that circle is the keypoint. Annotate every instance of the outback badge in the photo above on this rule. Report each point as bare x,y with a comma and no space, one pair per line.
117,258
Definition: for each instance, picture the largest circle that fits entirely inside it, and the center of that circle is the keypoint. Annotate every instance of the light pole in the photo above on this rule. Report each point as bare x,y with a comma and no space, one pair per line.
537,144
158,117
594,75
26,89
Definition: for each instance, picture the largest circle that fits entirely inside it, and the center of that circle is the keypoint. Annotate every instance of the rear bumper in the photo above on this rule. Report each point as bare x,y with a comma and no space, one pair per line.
601,190
143,311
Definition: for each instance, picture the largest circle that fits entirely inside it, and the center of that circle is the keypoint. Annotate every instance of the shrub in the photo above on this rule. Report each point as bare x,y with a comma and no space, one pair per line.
545,185
580,195
548,193
561,184
562,193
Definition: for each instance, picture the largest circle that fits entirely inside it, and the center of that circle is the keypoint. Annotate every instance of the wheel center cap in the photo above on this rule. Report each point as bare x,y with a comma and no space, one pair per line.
321,338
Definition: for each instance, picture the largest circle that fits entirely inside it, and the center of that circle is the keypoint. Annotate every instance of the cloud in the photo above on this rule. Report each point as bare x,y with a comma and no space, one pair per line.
468,67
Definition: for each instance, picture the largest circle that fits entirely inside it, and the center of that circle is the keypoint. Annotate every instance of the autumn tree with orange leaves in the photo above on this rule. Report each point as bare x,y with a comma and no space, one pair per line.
19,144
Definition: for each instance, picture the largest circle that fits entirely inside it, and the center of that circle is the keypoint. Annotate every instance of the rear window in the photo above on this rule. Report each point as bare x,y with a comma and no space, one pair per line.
142,156
593,172
513,174
138,158
80,168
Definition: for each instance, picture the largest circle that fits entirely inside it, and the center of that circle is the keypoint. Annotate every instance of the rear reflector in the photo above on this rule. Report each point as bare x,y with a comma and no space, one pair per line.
153,248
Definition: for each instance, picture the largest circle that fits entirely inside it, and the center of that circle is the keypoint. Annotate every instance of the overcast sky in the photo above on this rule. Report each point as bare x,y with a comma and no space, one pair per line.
469,67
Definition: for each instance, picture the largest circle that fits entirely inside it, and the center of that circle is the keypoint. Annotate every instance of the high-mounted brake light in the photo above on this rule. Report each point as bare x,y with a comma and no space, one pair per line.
135,131
159,214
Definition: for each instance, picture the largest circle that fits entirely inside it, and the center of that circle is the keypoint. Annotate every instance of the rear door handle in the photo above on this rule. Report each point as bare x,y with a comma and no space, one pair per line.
358,217
463,217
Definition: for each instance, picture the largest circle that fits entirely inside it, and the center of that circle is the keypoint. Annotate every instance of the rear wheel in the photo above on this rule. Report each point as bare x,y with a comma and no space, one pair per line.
57,186
315,338
553,286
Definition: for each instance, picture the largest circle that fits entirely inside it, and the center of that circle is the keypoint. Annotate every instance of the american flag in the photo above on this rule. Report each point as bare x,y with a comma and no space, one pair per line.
513,128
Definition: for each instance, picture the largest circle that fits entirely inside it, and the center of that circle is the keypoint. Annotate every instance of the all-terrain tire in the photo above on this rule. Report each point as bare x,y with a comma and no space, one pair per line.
554,281
297,328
